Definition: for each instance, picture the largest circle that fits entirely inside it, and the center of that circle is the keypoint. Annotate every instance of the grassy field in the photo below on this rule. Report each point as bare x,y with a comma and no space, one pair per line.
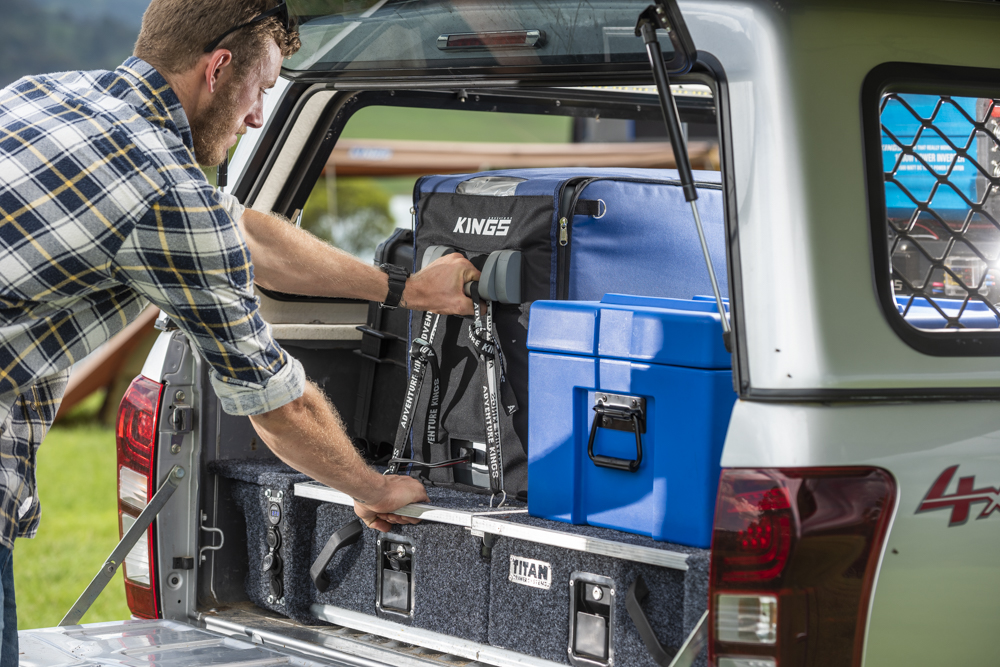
452,125
77,487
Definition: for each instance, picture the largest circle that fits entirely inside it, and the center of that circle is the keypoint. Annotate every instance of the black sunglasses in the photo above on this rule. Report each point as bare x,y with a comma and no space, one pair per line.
280,11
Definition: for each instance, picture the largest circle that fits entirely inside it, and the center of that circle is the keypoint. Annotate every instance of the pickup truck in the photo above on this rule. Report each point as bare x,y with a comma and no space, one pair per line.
856,518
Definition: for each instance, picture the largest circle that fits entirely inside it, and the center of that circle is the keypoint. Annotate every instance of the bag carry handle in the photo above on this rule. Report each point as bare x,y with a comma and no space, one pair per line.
344,537
621,413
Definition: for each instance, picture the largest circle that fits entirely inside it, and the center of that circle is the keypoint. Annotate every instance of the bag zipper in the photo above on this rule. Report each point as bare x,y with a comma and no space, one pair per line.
569,195
565,220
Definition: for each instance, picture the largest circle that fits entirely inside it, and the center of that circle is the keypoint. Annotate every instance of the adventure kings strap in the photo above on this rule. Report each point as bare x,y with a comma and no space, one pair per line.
423,356
482,339
496,391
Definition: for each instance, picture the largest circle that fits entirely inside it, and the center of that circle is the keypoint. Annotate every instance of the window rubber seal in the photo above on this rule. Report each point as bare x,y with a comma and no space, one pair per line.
900,77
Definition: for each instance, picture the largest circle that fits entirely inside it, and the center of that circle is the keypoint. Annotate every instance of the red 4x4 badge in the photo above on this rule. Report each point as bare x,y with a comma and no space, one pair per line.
961,500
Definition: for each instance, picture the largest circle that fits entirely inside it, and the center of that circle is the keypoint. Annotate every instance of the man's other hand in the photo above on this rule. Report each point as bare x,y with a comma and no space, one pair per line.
398,491
438,288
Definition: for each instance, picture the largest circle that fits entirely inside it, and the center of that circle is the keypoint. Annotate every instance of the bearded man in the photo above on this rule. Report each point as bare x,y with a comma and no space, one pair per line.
105,208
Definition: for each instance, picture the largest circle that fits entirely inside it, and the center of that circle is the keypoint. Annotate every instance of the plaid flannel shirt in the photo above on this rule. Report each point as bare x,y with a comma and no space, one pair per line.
104,208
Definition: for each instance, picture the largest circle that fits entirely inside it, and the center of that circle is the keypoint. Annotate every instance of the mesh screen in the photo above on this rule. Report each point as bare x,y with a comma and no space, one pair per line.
941,158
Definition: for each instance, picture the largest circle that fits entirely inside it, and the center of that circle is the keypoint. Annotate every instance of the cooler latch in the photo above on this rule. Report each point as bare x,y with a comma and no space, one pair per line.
618,412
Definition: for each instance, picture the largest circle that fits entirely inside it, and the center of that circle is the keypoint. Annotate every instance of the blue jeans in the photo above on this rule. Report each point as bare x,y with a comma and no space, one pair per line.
8,619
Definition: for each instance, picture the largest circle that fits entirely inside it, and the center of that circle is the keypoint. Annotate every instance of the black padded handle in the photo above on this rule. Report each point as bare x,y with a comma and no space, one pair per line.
344,537
637,594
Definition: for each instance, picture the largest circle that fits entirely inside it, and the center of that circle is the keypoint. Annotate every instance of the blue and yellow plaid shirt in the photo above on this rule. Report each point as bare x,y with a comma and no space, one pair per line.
104,209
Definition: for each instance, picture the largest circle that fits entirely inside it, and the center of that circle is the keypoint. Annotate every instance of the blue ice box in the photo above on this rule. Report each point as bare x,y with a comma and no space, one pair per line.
652,364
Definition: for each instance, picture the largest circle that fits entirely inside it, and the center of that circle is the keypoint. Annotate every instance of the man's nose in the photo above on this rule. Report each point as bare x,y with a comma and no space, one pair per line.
255,119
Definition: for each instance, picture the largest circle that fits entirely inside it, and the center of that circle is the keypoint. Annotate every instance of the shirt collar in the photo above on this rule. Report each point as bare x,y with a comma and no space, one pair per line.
157,101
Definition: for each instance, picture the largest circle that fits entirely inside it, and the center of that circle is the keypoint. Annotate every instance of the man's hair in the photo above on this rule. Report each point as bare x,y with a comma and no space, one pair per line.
175,33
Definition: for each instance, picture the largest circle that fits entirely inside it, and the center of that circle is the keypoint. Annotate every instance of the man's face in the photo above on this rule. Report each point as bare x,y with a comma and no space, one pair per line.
236,105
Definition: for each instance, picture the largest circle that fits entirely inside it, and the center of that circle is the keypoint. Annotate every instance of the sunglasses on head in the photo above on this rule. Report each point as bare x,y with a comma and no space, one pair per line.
280,11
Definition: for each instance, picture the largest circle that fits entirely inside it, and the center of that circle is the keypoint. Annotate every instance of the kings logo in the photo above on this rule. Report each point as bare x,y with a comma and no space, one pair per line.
482,226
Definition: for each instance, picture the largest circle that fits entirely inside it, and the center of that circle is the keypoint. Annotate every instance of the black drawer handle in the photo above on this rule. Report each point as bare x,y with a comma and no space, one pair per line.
344,537
637,594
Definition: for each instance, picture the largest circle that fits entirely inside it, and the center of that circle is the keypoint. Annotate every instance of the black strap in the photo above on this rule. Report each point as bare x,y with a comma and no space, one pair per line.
397,283
481,335
422,356
593,208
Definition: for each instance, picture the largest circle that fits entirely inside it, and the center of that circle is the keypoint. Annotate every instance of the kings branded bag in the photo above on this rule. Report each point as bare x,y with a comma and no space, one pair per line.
535,234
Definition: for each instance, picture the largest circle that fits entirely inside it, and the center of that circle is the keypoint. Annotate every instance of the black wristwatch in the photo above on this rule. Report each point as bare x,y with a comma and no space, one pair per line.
397,281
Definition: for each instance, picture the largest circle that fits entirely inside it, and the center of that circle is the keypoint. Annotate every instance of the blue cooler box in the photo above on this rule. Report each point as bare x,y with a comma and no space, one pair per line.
657,362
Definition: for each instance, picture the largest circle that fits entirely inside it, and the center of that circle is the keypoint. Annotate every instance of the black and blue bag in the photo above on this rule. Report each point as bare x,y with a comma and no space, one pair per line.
536,234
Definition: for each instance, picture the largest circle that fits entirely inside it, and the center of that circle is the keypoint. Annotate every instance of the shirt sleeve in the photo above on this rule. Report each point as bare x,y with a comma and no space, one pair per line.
188,257
232,205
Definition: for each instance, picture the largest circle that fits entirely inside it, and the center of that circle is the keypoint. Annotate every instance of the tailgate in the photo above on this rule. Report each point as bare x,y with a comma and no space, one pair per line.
163,643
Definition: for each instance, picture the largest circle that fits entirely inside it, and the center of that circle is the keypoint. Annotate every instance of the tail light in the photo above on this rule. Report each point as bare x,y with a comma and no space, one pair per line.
136,442
794,553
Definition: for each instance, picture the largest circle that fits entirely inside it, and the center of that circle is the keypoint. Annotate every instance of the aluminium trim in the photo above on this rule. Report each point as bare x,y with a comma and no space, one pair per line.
593,545
277,641
485,523
462,648
464,518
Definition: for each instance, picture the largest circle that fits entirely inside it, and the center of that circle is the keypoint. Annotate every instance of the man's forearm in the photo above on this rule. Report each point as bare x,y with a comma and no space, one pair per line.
288,259
291,260
308,435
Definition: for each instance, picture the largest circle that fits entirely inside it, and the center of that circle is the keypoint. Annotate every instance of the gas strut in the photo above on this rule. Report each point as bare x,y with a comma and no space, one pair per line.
653,18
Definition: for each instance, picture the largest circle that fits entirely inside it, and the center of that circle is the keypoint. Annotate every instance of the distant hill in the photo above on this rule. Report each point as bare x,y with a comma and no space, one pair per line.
36,40
128,12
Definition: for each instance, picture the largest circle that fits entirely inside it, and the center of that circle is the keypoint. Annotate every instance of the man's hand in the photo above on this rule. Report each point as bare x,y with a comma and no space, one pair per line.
438,288
308,435
399,491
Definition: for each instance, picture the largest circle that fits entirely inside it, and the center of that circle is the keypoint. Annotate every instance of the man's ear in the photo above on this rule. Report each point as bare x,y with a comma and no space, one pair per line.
220,59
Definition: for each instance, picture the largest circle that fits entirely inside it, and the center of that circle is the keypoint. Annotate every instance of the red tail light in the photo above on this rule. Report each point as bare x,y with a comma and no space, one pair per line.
794,553
136,442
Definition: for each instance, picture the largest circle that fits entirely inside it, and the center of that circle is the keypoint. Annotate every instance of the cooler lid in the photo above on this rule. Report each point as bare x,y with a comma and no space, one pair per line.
675,332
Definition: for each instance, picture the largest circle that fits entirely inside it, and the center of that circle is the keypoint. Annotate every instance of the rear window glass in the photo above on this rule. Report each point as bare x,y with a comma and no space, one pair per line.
941,219
344,36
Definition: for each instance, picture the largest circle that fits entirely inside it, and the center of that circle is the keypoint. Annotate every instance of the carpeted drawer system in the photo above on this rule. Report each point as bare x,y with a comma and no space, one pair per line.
531,594
450,577
550,590
280,529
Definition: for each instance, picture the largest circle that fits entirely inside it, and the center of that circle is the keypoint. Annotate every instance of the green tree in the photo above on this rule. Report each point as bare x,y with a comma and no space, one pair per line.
34,40
351,213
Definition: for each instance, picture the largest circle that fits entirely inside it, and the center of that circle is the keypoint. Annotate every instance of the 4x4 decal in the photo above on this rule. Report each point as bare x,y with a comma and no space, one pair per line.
961,500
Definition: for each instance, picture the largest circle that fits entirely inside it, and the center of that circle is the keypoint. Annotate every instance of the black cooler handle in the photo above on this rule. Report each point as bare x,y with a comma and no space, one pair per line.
344,537
628,465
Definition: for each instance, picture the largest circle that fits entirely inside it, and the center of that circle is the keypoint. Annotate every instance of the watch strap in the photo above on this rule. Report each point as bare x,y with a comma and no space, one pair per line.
397,282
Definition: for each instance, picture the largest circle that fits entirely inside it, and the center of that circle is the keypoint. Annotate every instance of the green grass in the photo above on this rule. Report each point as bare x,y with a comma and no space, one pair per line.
451,125
77,488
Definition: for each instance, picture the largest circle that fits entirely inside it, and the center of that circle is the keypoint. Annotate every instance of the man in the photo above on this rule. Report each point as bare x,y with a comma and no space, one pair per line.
104,206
